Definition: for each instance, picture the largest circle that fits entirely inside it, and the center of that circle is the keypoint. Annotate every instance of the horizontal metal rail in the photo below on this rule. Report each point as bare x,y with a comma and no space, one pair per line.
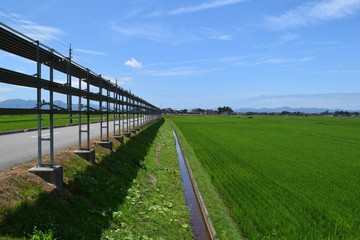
123,102
17,45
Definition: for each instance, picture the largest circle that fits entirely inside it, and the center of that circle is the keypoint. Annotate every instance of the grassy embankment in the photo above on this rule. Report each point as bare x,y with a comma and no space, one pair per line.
19,122
281,177
134,192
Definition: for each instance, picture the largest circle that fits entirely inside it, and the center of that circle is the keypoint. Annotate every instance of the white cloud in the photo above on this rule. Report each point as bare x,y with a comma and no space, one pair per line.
197,8
89,51
5,89
223,37
133,63
313,13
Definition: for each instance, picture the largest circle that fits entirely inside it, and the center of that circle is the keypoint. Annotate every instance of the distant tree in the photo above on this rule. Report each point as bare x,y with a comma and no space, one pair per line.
225,109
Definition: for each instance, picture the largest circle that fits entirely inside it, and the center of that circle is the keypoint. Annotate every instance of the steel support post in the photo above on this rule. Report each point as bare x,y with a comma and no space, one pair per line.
51,111
80,116
88,109
68,81
130,114
122,113
118,109
143,115
38,74
138,114
100,109
115,109
133,114
107,112
127,113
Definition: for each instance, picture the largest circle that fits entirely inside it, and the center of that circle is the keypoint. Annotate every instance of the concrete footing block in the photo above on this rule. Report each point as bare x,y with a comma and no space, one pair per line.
127,134
106,144
50,174
119,138
88,155
138,129
133,131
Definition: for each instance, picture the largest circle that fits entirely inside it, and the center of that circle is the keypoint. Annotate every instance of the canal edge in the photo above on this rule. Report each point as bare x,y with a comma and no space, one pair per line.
204,211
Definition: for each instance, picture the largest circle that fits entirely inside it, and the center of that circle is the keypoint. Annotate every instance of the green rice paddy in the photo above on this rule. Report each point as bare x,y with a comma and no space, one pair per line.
19,122
282,177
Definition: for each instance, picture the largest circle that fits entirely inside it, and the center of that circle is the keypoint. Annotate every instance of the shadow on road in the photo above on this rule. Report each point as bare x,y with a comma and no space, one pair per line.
83,208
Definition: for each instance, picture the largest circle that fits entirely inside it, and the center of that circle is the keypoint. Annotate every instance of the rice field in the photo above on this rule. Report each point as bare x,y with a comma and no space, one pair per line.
19,122
282,177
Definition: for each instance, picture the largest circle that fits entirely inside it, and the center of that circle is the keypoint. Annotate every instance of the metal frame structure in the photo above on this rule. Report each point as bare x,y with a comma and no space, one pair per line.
16,43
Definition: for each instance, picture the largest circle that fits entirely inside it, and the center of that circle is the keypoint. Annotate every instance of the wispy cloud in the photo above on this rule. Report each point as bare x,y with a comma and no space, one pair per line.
274,60
215,34
21,70
350,101
154,32
123,80
339,71
89,51
133,63
201,7
6,89
41,32
288,37
313,13
119,81
33,30
181,71
223,37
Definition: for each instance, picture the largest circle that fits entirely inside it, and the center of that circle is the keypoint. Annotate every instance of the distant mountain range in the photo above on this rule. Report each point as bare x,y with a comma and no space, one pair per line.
19,103
289,109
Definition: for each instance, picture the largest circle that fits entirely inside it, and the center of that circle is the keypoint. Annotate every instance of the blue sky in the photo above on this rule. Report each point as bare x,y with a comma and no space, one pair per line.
204,53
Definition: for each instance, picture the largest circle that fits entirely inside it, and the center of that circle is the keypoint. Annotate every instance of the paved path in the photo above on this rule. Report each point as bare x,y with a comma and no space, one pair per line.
22,147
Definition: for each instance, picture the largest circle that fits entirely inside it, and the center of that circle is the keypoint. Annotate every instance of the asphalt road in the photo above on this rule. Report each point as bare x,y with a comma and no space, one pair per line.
22,147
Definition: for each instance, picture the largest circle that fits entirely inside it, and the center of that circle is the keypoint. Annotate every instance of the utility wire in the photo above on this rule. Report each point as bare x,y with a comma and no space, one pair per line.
47,38
29,28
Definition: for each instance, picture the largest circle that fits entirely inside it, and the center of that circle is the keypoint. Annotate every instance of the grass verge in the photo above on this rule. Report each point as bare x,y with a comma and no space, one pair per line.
224,225
134,192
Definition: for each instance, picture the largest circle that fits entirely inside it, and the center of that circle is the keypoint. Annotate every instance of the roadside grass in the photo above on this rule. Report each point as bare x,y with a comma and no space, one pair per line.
220,216
134,192
281,177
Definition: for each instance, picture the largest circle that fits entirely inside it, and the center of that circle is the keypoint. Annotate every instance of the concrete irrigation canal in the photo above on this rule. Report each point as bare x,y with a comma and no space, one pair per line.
201,225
